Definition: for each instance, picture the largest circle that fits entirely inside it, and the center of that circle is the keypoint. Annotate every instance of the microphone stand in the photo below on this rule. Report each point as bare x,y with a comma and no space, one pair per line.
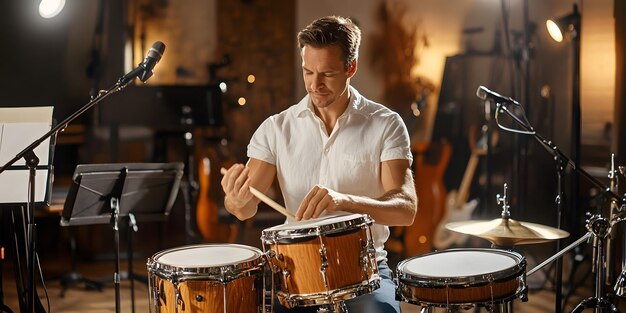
554,150
562,162
32,161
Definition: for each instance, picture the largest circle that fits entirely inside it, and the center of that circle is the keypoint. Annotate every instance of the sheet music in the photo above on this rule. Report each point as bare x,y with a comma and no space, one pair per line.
19,127
17,136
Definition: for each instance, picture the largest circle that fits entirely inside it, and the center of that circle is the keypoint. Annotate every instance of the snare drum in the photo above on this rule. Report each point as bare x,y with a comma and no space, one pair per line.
461,277
206,278
322,261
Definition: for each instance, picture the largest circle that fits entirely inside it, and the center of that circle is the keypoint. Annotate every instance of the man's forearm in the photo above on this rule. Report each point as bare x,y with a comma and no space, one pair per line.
394,208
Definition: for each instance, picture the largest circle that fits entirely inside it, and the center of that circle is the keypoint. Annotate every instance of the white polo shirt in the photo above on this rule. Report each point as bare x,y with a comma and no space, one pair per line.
347,160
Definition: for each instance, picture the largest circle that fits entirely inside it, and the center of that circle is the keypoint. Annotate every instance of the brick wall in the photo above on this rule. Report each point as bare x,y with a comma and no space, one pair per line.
259,36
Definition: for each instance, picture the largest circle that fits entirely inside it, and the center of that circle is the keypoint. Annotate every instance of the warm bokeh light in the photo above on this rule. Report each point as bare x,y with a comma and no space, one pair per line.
422,239
251,78
50,8
241,101
554,30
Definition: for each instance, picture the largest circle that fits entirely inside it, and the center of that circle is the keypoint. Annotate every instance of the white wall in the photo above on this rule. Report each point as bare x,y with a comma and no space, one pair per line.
597,70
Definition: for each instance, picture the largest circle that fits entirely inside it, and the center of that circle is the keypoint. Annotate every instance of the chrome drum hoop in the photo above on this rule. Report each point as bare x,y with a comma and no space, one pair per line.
270,236
424,281
221,273
333,296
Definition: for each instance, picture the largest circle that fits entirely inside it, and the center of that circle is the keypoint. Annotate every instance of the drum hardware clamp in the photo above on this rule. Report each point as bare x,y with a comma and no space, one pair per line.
620,283
598,229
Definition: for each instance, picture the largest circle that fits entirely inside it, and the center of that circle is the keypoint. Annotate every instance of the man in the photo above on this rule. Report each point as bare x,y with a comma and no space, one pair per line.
333,151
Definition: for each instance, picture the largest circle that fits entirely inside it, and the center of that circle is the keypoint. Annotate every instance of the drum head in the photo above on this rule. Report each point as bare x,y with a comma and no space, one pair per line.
207,255
461,266
461,276
315,222
324,225
460,263
223,262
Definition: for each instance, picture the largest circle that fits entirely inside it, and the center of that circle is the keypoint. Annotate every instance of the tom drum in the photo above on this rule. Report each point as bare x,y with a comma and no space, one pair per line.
322,261
207,278
461,276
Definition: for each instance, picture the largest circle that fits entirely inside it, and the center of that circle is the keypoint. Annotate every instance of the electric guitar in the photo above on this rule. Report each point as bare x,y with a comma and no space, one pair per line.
457,207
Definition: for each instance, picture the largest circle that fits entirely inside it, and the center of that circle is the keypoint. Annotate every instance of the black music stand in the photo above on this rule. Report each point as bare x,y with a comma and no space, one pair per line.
102,193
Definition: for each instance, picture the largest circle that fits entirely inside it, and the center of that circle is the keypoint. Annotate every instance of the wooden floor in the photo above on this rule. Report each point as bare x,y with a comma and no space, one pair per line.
77,299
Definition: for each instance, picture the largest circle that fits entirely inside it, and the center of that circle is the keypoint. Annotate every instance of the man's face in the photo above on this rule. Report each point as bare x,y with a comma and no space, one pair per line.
325,77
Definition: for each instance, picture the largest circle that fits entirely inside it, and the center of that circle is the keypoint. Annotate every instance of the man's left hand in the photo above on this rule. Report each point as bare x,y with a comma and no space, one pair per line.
318,200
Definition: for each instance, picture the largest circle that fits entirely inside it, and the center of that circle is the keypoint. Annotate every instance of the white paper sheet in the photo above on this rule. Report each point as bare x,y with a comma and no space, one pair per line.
19,127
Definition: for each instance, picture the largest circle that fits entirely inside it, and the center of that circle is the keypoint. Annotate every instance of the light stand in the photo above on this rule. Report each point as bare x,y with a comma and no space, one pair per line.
557,27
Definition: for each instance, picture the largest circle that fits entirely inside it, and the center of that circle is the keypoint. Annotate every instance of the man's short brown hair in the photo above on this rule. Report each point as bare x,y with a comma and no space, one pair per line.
333,30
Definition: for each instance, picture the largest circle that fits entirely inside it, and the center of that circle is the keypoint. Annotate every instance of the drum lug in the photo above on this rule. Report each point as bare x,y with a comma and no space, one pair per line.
363,256
178,299
324,265
279,266
275,260
270,254
398,289
367,256
227,274
524,293
160,292
323,258
286,273
280,258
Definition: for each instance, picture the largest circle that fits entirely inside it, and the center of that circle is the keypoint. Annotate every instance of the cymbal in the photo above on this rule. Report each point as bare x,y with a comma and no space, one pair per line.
506,232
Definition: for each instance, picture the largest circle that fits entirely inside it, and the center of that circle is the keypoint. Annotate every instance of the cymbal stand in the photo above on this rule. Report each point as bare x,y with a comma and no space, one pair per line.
598,228
620,284
601,228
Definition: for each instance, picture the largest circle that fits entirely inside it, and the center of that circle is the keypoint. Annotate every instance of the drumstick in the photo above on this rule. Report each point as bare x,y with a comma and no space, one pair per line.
266,199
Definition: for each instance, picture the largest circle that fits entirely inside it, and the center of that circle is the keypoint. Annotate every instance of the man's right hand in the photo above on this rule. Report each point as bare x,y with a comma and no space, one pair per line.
236,185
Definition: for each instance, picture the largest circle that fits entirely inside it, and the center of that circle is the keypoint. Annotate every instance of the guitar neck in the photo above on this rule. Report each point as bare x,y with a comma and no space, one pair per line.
466,182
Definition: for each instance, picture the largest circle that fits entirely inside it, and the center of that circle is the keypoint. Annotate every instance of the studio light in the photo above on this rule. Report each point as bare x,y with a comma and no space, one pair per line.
50,8
557,27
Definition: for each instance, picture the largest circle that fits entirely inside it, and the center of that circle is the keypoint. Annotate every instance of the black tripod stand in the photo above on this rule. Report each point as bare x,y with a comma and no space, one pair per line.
129,274
74,277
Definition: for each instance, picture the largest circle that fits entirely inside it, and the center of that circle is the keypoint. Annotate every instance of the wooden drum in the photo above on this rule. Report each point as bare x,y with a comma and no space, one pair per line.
207,278
322,261
461,277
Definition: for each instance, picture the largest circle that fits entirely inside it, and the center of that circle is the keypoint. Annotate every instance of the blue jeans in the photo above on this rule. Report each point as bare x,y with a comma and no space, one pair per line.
382,300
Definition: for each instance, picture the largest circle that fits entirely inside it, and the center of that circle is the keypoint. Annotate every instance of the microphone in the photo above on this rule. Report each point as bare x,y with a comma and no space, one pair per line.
483,93
144,70
154,56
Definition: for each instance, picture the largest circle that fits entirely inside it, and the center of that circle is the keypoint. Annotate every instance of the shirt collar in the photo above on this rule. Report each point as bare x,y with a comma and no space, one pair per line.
355,106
